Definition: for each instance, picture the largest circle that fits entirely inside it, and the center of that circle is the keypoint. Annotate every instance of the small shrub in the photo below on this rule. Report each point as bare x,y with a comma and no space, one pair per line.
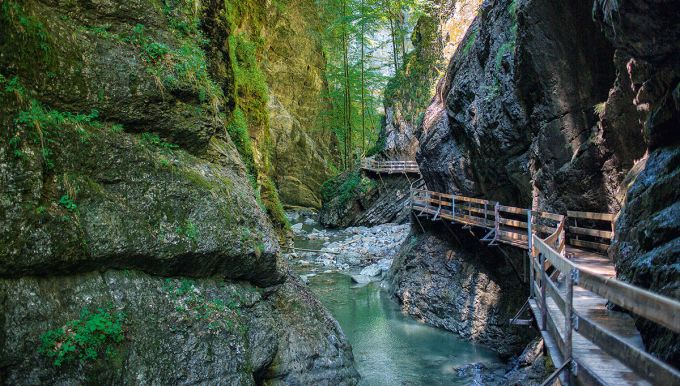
599,108
341,188
154,140
68,202
193,306
85,339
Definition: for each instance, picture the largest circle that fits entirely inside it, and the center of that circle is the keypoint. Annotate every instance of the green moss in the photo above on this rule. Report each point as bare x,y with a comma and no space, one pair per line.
344,187
182,67
505,48
239,134
87,339
28,27
272,204
378,147
470,42
213,314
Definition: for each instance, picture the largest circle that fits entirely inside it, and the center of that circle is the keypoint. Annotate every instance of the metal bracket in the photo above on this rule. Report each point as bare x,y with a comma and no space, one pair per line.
574,367
575,273
574,322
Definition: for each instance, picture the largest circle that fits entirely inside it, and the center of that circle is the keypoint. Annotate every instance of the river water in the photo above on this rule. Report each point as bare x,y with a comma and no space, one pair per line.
391,348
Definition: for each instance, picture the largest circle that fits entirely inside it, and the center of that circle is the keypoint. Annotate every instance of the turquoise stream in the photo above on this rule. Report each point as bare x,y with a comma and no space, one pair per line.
389,347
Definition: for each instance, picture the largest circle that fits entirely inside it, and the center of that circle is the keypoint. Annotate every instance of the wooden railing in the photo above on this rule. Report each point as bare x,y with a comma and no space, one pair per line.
654,307
510,225
553,278
390,166
590,230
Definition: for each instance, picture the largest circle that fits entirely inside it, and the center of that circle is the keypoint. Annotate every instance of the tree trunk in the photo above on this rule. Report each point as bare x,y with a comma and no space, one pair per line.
363,79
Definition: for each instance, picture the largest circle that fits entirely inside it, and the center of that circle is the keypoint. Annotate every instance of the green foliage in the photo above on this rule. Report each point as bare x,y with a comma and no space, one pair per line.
492,91
29,27
508,46
68,202
85,339
154,140
344,187
192,306
378,147
43,127
12,86
182,67
272,204
599,108
470,42
505,48
189,230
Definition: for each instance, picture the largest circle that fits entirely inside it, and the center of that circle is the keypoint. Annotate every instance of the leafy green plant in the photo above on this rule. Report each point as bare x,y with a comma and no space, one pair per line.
341,188
189,230
154,140
43,127
192,305
68,202
600,107
117,128
28,26
87,339
492,91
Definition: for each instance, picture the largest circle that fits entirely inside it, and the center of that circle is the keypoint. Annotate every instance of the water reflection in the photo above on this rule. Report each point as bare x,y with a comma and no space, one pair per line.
389,347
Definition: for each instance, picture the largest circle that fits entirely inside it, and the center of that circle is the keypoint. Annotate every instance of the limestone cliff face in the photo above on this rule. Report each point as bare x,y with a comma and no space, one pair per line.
122,190
647,244
514,119
435,38
294,65
539,108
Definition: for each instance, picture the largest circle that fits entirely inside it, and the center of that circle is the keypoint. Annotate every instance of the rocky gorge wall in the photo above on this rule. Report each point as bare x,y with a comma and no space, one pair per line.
565,105
132,247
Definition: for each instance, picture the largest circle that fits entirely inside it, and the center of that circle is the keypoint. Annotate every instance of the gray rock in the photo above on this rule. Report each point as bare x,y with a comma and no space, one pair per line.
371,271
361,279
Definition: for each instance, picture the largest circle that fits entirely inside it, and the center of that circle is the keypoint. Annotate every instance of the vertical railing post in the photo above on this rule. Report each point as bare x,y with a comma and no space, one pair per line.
562,246
486,214
496,220
531,273
544,278
453,208
568,320
530,242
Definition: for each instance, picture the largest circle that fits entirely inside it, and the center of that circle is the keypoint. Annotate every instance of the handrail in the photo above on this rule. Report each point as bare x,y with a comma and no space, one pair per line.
390,166
550,252
646,304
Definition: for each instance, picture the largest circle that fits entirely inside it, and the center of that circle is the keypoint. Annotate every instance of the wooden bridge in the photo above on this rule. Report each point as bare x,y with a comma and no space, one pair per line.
571,284
390,167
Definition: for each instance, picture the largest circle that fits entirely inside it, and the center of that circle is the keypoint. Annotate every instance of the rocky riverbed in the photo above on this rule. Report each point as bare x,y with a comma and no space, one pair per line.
365,253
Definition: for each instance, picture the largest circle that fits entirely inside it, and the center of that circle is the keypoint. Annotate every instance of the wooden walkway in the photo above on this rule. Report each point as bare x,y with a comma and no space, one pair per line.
390,167
571,285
